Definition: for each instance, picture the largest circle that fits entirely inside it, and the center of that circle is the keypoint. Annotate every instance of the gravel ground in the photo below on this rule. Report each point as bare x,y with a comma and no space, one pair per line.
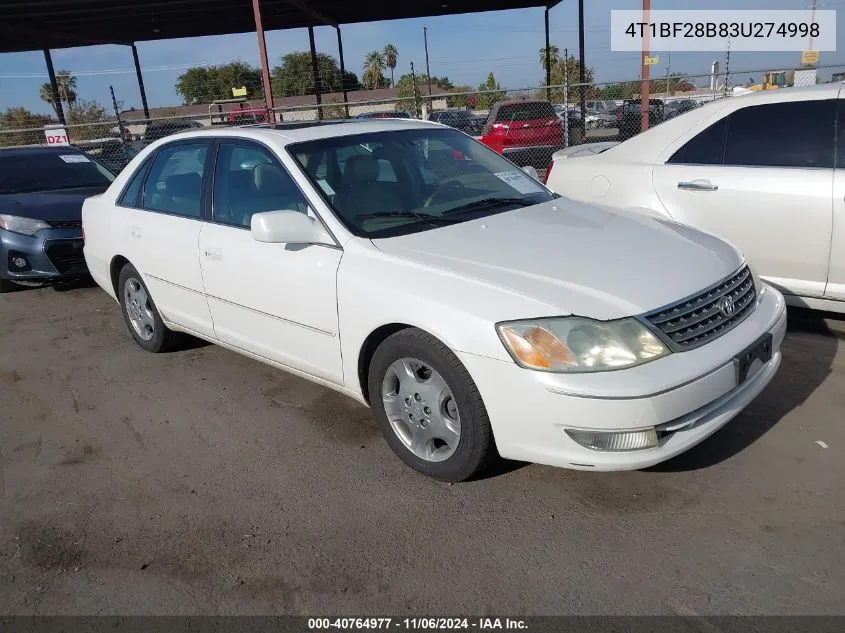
202,482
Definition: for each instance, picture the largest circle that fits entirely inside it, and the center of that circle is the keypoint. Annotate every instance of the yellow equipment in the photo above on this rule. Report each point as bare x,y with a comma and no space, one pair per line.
775,79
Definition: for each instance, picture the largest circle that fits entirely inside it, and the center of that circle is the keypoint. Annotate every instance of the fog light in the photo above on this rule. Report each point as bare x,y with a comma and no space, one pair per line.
18,262
615,440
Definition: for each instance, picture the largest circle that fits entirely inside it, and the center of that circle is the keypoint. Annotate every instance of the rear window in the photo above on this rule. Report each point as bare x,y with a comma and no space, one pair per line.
49,171
526,111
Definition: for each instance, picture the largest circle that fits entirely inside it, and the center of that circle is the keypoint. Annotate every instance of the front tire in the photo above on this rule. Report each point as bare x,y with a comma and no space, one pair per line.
428,407
140,313
6,285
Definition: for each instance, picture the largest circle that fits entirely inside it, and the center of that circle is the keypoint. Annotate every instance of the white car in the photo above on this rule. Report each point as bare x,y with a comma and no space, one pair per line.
762,171
414,269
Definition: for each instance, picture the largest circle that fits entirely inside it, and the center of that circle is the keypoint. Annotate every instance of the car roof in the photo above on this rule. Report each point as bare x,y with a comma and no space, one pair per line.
26,150
300,131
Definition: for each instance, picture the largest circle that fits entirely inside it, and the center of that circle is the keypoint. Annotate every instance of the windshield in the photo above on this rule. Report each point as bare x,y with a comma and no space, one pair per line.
528,111
393,183
49,171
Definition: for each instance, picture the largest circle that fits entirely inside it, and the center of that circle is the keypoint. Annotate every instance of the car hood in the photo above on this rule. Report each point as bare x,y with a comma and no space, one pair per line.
50,206
576,258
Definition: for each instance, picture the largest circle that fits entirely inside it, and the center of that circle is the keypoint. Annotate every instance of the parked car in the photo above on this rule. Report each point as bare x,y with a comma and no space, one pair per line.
41,195
155,131
390,114
679,106
529,128
597,119
761,170
473,310
600,107
629,117
462,120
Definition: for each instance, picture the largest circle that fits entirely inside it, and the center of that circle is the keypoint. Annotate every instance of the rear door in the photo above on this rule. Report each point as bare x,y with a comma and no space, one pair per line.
836,277
762,178
163,232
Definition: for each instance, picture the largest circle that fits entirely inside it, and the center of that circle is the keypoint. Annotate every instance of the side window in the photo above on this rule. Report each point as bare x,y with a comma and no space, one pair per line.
705,148
790,134
132,193
247,180
175,181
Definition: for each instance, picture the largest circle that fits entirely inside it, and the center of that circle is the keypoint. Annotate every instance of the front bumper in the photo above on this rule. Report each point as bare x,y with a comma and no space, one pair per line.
687,395
49,254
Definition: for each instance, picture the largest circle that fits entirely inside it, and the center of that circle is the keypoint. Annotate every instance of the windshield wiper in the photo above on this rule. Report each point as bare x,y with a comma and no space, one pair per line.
405,214
489,202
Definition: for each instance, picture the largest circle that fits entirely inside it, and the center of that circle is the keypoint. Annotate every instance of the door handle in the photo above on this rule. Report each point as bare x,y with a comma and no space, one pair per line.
698,185
214,254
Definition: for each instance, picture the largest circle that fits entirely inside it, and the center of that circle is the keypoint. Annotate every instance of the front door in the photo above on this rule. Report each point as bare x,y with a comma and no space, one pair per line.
278,301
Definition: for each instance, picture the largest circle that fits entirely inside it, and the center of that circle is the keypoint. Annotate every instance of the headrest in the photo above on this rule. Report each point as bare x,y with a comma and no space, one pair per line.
269,179
361,169
184,185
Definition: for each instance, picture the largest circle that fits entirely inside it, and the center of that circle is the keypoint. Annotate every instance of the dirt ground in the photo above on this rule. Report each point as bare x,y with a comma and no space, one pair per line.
200,482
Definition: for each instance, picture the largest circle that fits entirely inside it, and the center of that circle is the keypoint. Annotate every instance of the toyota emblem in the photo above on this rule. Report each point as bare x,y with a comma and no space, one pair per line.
727,306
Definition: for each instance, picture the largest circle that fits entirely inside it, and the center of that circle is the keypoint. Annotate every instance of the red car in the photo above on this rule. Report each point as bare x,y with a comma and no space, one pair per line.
529,129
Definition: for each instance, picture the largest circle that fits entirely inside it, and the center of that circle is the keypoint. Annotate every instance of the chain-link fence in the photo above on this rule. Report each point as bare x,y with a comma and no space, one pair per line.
526,125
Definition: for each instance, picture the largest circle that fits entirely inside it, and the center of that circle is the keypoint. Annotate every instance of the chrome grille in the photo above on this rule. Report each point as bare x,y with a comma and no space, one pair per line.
700,319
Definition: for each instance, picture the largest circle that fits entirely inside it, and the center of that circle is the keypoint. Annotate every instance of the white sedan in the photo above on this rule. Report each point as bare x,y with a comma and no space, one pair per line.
412,268
761,170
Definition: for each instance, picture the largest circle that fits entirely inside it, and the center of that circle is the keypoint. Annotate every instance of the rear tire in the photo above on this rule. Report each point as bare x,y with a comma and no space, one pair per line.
140,313
428,407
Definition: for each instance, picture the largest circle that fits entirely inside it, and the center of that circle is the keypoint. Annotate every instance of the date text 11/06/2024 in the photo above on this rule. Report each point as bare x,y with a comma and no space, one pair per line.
418,624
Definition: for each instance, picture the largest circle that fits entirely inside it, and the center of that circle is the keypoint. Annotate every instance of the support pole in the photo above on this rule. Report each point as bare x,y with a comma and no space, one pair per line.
582,71
315,73
645,100
140,82
54,87
427,71
548,61
342,72
265,66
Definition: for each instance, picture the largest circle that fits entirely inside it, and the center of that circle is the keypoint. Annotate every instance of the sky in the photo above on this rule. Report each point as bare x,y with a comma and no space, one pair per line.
465,48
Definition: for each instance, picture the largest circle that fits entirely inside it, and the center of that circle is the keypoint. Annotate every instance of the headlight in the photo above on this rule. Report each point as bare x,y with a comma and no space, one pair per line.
759,286
579,345
27,226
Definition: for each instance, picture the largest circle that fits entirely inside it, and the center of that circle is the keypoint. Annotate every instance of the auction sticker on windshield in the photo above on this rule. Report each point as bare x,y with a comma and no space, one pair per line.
519,181
74,158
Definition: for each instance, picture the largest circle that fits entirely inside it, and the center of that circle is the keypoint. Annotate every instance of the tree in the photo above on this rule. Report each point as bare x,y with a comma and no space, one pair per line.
204,84
568,71
391,55
491,92
90,120
373,67
295,76
553,57
66,84
21,119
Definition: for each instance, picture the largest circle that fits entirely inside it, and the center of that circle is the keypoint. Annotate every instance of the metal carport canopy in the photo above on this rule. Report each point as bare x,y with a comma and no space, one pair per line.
44,24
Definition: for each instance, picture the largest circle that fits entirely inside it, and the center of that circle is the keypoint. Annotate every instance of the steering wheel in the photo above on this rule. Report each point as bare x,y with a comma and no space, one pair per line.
451,184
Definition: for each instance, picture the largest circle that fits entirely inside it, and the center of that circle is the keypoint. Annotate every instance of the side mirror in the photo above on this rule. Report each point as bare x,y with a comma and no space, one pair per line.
528,169
288,227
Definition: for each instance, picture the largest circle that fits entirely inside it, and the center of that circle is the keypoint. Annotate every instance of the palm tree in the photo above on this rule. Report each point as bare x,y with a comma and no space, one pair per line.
373,65
66,83
390,55
553,58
